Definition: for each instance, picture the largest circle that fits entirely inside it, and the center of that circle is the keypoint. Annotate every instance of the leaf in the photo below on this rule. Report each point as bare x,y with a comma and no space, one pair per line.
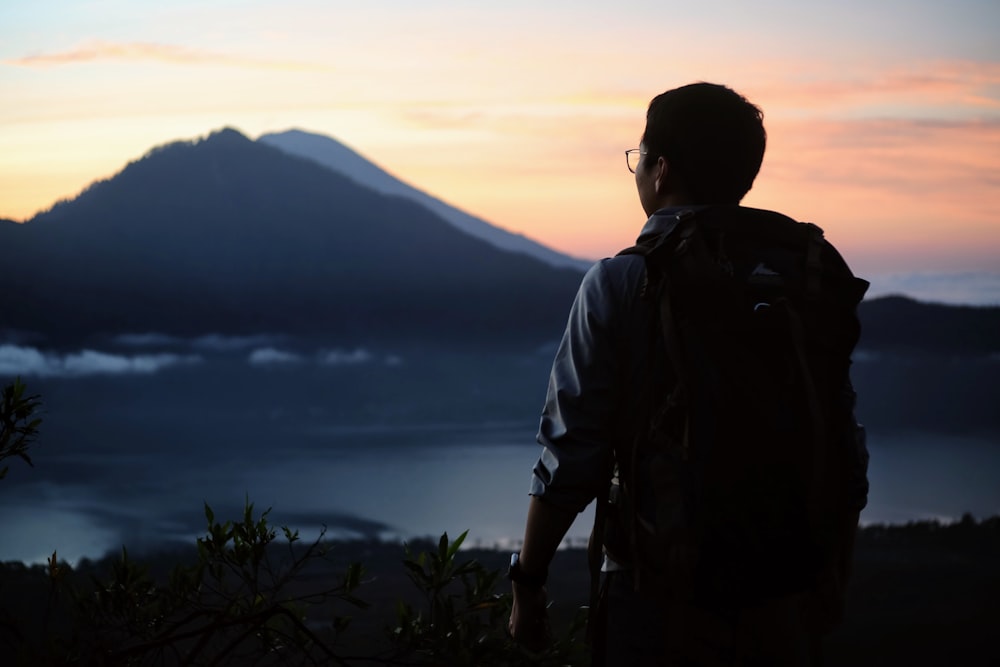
54,569
443,547
456,544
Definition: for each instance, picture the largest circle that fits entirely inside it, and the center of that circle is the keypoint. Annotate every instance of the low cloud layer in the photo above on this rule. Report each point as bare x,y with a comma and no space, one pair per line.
208,342
27,361
274,357
30,361
344,358
269,356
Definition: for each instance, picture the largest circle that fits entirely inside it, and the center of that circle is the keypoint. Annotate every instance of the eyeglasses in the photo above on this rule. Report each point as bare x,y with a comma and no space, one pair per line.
632,157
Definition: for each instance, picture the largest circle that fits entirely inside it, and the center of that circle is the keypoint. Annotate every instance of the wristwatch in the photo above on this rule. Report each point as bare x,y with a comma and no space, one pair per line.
522,578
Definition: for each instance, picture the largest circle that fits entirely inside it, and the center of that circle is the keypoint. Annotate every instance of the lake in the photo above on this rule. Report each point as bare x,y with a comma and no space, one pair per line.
402,483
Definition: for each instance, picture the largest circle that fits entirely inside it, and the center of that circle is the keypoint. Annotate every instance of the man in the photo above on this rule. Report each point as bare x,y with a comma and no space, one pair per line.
702,145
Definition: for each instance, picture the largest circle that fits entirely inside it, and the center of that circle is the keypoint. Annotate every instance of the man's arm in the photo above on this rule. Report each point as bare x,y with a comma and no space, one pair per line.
545,528
576,429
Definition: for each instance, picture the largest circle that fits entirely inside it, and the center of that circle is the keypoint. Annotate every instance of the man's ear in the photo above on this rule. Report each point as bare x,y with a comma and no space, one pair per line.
660,182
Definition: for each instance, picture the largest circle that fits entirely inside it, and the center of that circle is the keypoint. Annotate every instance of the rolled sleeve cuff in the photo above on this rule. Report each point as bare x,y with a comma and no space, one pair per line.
571,499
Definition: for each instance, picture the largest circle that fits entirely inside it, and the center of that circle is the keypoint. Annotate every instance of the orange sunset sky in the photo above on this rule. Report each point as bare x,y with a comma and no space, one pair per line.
883,118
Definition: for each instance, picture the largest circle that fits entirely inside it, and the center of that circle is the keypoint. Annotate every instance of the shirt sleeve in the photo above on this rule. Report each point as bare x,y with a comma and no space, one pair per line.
574,429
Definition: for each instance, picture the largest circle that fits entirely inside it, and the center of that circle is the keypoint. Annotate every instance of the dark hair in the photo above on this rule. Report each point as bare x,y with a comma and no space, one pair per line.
712,137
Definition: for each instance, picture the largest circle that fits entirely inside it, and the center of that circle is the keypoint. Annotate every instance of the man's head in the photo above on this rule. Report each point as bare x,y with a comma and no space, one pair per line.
703,144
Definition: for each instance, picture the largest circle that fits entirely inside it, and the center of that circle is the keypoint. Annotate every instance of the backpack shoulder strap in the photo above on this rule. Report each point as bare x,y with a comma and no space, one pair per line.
650,250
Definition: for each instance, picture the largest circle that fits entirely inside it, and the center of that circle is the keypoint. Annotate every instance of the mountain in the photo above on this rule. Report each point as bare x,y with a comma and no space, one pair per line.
927,367
336,156
225,234
903,324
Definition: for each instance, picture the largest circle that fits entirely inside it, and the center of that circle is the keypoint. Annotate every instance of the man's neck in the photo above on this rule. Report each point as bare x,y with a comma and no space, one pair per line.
673,200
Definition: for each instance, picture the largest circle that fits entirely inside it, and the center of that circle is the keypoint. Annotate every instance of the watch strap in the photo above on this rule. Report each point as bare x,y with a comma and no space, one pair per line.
522,578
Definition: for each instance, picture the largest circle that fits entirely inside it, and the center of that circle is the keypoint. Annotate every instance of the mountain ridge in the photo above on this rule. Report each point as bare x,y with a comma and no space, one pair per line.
227,233
902,323
337,156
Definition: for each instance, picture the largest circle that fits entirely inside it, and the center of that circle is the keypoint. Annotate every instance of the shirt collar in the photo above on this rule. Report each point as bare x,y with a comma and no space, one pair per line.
663,221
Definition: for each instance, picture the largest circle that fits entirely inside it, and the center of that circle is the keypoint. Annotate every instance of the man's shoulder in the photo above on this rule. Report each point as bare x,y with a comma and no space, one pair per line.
615,273
611,287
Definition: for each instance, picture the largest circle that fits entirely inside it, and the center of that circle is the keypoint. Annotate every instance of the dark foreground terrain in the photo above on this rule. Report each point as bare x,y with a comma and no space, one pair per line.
922,593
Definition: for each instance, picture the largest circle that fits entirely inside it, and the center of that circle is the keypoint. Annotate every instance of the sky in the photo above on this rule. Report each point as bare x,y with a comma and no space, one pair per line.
883,118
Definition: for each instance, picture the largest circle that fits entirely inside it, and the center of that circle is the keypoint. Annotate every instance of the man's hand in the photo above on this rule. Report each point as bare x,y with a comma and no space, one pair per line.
529,618
544,530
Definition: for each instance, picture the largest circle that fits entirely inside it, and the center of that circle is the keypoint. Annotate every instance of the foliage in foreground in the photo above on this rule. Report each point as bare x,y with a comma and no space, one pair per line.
466,624
19,422
252,598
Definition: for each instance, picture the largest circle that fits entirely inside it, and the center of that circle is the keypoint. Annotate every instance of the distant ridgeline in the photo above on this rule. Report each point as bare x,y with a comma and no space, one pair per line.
930,368
901,324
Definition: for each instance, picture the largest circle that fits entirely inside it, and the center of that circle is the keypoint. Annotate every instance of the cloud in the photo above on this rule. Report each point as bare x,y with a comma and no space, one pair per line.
29,361
272,356
925,85
150,51
206,343
269,356
915,155
341,358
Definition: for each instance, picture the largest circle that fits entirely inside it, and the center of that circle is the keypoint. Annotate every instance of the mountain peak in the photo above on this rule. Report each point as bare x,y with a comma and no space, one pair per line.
228,135
221,138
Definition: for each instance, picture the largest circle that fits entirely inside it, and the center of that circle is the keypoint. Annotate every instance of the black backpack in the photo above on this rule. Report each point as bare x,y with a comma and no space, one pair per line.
736,491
